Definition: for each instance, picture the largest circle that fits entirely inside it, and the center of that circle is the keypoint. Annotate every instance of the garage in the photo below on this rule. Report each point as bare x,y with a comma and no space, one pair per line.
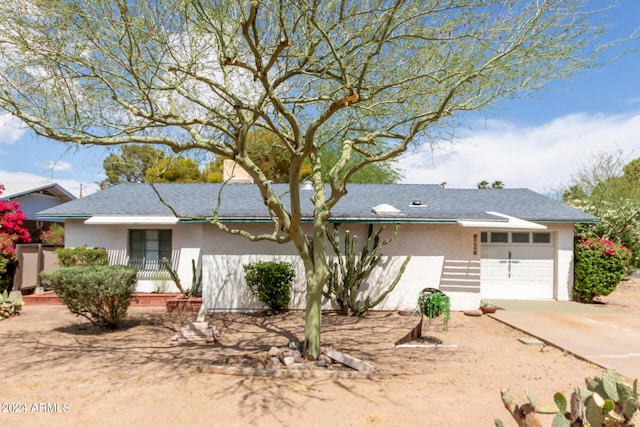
517,265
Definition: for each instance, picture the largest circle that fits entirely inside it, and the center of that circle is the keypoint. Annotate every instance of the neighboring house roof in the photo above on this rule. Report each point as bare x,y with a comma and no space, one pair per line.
14,190
243,202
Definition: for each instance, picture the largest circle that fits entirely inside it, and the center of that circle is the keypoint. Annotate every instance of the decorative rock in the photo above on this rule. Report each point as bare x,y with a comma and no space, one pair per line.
275,363
324,358
199,326
273,352
473,313
350,361
196,332
285,353
299,366
288,361
294,354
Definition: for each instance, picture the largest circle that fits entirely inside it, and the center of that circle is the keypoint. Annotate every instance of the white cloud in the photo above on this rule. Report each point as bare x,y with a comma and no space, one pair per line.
76,188
542,158
11,129
57,166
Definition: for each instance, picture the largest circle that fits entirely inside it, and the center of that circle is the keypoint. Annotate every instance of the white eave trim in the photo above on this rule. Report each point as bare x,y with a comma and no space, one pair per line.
511,222
160,220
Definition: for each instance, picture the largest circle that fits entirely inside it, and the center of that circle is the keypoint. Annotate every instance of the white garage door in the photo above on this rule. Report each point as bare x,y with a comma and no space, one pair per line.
517,265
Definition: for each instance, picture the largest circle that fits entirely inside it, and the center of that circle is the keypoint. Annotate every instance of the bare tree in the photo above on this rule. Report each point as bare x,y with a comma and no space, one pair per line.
372,77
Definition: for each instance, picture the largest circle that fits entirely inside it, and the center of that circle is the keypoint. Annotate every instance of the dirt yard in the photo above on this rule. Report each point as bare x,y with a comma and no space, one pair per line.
59,371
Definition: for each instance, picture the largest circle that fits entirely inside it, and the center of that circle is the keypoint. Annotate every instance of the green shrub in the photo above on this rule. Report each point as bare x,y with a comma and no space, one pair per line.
434,303
101,294
82,255
600,265
271,283
54,235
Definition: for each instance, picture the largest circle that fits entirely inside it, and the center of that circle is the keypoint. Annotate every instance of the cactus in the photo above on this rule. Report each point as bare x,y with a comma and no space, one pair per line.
352,268
10,305
196,281
606,401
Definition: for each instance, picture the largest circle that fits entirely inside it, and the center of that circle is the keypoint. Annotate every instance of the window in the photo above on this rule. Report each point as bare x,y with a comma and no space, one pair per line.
499,237
519,237
542,238
524,237
148,247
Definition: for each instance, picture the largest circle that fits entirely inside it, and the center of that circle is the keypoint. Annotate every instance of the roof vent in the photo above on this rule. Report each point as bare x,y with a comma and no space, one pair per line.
306,186
416,203
385,209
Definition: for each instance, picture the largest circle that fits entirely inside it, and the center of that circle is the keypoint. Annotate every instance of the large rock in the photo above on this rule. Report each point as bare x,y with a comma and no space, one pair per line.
349,361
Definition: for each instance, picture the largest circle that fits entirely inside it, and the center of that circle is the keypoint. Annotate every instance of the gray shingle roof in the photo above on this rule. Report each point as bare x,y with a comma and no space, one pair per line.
244,202
13,190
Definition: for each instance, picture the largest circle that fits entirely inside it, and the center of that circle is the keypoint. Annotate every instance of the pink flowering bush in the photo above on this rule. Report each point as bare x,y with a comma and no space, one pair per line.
7,253
600,265
11,233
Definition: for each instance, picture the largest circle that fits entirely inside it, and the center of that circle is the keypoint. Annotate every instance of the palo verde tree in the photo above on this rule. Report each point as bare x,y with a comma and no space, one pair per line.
609,188
370,77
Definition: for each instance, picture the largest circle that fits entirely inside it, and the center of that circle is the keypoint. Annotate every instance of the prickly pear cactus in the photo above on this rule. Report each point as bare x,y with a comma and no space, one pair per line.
9,305
605,402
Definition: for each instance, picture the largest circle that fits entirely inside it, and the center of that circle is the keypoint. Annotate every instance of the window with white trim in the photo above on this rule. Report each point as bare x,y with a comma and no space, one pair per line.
148,247
515,237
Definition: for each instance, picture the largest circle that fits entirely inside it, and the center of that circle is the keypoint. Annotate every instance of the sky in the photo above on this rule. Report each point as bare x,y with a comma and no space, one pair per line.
535,143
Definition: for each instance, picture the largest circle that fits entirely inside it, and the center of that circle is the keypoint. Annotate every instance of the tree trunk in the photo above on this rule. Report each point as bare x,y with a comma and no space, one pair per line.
317,271
315,283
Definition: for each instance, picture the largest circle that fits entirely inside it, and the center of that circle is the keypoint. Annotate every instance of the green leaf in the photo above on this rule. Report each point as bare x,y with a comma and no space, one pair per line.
531,399
630,408
625,392
608,406
547,409
593,412
506,397
498,423
560,421
609,383
595,384
584,393
561,402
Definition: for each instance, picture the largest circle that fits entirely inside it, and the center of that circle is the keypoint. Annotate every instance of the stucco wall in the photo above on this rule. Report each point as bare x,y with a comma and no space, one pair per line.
221,257
564,264
428,245
186,242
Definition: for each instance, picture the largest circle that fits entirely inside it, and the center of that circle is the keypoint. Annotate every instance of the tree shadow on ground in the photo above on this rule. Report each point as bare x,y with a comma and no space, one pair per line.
144,347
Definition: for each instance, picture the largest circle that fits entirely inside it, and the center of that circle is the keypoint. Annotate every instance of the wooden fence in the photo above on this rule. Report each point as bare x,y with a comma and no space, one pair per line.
33,258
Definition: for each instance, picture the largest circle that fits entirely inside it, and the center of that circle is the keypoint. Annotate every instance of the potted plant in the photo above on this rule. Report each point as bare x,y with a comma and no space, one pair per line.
487,307
433,303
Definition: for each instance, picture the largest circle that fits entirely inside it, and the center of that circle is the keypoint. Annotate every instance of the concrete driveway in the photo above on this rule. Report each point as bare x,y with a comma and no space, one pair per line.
605,337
